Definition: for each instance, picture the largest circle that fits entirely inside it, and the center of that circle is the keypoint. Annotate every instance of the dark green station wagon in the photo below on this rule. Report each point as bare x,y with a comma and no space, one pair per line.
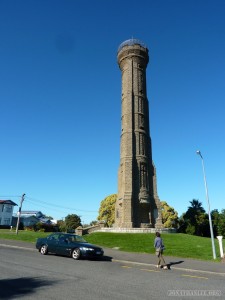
69,245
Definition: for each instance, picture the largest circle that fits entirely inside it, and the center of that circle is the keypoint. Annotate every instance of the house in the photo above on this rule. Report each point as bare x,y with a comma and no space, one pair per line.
36,213
30,218
6,212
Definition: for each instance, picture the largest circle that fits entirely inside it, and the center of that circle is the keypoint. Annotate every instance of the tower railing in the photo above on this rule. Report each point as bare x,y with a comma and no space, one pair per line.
131,42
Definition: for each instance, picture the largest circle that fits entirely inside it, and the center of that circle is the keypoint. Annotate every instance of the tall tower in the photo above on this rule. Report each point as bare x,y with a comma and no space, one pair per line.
137,204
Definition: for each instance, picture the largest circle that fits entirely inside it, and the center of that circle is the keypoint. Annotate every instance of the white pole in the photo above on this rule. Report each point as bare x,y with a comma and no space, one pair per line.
209,212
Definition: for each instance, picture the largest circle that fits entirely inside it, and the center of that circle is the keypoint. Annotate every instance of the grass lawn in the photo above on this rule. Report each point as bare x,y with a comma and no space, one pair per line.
177,244
23,235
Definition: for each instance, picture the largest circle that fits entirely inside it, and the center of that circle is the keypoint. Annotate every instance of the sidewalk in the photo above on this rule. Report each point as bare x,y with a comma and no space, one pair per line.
174,263
147,260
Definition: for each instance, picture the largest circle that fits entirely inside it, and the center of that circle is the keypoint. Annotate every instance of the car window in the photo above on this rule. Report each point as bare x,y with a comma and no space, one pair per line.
76,238
53,237
80,239
62,238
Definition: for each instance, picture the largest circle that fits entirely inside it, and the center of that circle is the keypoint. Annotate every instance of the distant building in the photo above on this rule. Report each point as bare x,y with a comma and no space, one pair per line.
6,212
35,213
30,218
27,221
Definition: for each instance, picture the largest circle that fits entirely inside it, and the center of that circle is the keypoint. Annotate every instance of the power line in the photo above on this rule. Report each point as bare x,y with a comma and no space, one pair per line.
50,204
57,210
64,207
41,205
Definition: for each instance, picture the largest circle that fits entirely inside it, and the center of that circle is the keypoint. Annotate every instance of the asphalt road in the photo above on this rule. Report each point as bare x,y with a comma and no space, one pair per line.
26,274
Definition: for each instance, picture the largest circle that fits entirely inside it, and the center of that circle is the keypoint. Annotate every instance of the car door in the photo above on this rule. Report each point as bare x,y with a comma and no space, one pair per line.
52,242
63,245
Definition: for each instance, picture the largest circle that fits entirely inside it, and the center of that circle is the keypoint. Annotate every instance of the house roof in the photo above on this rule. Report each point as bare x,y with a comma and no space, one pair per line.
45,220
8,202
30,212
28,217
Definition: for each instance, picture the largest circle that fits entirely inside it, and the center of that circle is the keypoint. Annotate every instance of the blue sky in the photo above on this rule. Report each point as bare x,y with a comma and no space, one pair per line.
60,100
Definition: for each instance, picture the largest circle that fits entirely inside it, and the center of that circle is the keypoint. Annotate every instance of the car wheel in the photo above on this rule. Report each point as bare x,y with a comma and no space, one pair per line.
44,250
76,254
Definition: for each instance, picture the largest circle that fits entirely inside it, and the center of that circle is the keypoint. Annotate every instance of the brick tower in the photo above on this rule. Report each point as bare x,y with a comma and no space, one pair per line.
137,205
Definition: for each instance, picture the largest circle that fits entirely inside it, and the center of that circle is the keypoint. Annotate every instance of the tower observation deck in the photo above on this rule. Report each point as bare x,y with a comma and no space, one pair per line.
131,42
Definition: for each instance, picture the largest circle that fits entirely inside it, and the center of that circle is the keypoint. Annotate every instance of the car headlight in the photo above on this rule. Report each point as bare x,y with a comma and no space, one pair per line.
87,249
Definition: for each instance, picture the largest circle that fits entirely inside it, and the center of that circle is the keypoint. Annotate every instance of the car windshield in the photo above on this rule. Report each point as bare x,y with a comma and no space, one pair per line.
76,238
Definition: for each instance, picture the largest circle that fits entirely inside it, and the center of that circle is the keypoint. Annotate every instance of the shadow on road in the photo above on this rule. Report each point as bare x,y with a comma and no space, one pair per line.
103,258
107,258
19,287
174,263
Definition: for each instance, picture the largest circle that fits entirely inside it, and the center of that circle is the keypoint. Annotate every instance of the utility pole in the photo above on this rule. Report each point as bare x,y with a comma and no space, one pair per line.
19,213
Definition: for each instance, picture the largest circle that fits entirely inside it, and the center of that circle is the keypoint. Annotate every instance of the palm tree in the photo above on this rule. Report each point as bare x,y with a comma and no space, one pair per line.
195,219
194,210
196,205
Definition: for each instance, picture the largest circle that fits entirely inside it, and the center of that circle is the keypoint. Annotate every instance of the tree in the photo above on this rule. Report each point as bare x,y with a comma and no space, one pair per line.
45,227
218,220
169,216
215,221
194,210
195,220
221,226
72,221
92,223
107,210
62,225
